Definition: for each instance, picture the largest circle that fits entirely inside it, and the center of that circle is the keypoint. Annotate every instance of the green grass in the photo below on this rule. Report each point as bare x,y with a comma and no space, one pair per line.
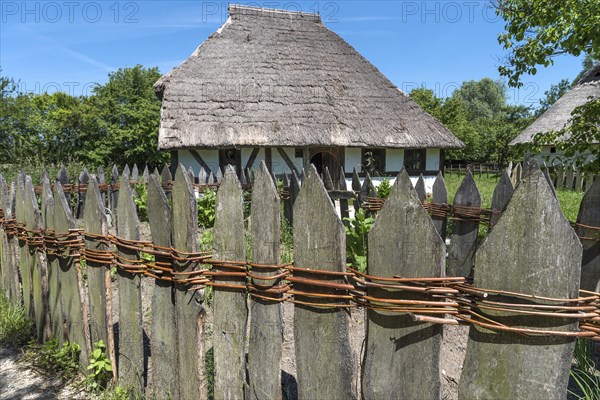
569,200
15,327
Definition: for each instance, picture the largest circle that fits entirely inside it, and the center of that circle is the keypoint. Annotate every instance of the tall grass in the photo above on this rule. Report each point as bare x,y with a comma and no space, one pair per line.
15,327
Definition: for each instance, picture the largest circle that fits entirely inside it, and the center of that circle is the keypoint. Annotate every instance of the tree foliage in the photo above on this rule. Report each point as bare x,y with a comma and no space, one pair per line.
117,124
552,95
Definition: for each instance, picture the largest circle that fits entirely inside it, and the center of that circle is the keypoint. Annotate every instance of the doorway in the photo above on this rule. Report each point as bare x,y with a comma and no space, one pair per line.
324,159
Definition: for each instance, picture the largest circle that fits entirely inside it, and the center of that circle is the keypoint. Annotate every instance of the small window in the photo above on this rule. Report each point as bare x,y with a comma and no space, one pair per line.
414,159
298,152
373,161
552,150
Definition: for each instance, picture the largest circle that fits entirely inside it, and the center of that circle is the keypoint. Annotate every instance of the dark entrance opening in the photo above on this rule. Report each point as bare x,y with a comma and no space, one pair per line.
324,159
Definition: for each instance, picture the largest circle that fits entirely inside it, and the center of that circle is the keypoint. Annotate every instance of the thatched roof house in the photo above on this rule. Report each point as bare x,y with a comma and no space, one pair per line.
280,80
559,114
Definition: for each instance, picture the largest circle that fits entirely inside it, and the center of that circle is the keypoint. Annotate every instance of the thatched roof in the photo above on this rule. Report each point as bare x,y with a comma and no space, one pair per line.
280,78
559,114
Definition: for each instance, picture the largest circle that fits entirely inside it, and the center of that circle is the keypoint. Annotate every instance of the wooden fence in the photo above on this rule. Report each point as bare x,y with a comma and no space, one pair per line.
518,290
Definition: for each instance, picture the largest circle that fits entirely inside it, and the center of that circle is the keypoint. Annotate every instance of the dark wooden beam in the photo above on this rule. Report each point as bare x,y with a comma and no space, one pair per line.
287,160
200,160
252,158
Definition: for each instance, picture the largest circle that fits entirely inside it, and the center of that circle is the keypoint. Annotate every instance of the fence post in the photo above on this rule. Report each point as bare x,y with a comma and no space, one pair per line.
98,276
294,190
77,325
527,254
502,194
164,346
166,178
403,242
23,260
515,176
5,269
420,188
54,280
463,241
185,239
560,177
83,180
323,358
440,196
37,265
570,177
589,214
130,353
100,176
13,247
266,329
287,202
231,309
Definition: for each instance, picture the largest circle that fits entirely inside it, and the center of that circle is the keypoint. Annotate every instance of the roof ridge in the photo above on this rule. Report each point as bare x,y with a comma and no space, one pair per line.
267,11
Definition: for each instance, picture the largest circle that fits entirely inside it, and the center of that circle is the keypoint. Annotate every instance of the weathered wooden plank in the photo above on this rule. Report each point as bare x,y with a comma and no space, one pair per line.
570,178
589,214
13,248
341,183
100,176
231,317
202,176
163,340
580,177
185,239
502,194
56,323
191,174
404,242
266,329
532,250
439,195
82,181
211,179
130,355
75,324
95,223
135,173
463,241
145,175
327,181
516,175
320,335
420,188
355,181
24,263
114,191
293,193
219,176
546,172
560,178
37,263
6,281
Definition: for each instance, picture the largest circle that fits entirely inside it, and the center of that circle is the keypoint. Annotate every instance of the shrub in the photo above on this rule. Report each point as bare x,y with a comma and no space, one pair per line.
15,327
383,190
356,239
206,209
50,357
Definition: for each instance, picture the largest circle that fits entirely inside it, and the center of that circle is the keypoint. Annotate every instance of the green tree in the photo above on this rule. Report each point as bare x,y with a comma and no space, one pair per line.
484,98
122,117
454,116
427,100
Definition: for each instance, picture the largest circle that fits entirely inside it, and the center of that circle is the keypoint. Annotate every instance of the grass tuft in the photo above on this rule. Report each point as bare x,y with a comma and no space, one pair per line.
15,328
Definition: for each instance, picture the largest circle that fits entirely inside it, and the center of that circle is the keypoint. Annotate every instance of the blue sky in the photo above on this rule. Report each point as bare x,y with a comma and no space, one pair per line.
70,45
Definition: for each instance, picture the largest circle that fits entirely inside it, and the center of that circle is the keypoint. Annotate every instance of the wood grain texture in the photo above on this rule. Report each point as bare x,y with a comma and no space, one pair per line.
420,188
589,214
531,250
230,322
402,356
163,340
323,359
502,194
266,328
439,195
130,354
463,241
185,239
76,325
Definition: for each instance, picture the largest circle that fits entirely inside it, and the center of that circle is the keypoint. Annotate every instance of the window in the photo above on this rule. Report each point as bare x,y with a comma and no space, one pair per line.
230,157
552,150
373,161
298,152
414,159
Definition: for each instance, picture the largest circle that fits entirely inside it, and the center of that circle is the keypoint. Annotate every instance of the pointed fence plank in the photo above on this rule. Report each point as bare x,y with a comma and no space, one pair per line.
7,283
411,370
75,326
266,329
13,247
341,184
320,335
166,178
102,180
202,176
95,223
130,355
463,241
24,257
532,250
420,188
327,181
366,190
516,175
114,192
570,178
579,179
82,181
211,179
219,176
185,239
439,195
502,195
135,173
560,178
145,175
37,264
230,321
355,181
164,333
54,279
589,214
